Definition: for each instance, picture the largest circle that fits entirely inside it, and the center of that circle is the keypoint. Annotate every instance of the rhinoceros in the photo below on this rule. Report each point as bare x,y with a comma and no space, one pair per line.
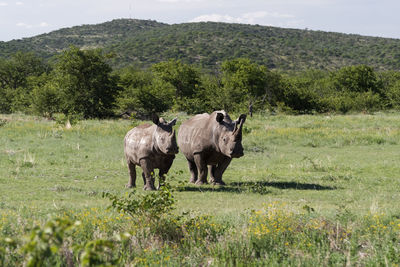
150,146
211,140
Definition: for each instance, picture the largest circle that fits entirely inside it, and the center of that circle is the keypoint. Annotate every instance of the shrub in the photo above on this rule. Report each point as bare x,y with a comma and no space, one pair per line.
393,95
44,243
46,100
350,101
147,208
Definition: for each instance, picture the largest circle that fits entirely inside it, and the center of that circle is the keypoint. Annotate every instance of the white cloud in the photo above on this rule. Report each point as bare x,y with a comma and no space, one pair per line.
3,4
215,18
30,26
19,3
248,18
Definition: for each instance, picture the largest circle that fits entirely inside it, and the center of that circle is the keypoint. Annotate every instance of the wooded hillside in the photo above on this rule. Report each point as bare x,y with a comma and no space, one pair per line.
145,42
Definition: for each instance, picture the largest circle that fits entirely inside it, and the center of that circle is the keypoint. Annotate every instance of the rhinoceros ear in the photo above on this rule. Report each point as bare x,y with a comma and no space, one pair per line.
220,117
173,122
156,119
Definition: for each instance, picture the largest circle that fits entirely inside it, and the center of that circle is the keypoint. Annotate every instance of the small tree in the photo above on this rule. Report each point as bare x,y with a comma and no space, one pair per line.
360,78
46,99
244,82
86,84
184,78
143,93
15,76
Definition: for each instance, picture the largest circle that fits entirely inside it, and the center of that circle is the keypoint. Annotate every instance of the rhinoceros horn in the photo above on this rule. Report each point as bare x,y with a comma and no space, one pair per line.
238,129
173,122
155,119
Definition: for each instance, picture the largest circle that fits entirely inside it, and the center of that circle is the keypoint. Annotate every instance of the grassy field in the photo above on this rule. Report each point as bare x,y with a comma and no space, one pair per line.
335,179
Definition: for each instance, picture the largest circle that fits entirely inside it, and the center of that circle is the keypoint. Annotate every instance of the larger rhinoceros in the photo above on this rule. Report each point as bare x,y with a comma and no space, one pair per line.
213,140
150,147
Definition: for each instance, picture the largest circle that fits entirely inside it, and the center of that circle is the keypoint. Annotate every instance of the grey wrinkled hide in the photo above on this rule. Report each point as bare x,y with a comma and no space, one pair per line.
150,147
210,140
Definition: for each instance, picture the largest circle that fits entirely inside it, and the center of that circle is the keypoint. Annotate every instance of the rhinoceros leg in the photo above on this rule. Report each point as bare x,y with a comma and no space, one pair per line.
219,171
148,171
211,171
144,179
132,175
164,170
193,172
202,167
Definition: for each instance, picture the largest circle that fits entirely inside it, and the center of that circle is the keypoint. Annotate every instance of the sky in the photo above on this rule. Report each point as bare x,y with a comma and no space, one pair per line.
26,18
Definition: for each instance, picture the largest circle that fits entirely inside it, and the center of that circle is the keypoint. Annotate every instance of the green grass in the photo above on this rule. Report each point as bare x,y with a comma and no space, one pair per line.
342,169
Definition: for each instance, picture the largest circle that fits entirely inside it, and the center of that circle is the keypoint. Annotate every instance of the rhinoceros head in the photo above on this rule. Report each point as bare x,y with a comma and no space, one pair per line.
164,136
230,138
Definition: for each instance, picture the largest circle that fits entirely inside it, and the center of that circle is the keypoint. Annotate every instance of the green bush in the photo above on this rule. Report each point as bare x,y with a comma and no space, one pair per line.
143,94
46,100
44,244
393,95
149,207
5,99
350,101
301,99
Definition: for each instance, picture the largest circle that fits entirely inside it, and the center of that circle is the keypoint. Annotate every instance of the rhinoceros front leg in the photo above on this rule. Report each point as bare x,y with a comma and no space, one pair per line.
211,170
193,172
132,175
148,171
144,179
202,168
219,170
163,171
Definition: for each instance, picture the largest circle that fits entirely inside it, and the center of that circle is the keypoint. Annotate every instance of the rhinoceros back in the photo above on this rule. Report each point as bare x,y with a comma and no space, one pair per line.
196,134
138,142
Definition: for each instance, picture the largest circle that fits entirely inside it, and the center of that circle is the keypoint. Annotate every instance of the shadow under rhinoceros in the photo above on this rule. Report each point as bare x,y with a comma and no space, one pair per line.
284,185
260,187
227,188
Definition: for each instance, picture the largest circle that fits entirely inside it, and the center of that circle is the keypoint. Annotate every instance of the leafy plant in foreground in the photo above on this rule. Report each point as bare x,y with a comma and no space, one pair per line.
95,253
150,206
45,242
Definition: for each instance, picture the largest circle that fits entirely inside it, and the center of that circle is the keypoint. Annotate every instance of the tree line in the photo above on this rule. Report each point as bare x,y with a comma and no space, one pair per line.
82,83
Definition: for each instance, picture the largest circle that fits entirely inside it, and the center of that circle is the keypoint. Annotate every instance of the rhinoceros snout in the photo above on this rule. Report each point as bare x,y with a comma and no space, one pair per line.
237,153
172,150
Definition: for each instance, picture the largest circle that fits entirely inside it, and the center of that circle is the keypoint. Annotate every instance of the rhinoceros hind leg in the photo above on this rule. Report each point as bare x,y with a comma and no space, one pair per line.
202,167
132,175
193,172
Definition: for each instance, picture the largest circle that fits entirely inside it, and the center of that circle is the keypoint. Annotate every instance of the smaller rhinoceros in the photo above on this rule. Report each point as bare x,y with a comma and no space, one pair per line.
150,147
211,140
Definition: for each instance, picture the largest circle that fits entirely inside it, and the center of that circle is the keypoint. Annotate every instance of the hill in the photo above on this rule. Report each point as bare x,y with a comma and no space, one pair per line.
84,36
144,42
